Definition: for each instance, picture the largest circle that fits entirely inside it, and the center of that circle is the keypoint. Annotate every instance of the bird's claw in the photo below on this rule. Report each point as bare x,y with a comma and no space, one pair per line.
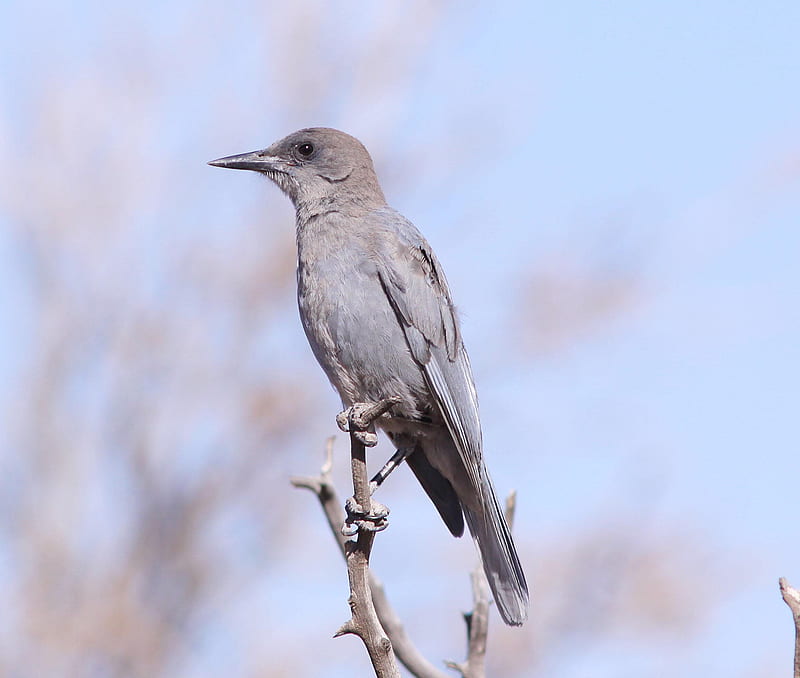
357,519
342,420
358,419
366,438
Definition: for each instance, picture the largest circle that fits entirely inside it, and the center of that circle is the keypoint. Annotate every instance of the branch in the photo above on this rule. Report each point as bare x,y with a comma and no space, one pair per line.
412,659
478,619
326,493
404,648
477,628
791,596
364,620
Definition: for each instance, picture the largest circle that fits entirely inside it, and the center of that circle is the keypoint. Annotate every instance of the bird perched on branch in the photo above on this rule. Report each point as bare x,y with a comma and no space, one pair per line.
378,314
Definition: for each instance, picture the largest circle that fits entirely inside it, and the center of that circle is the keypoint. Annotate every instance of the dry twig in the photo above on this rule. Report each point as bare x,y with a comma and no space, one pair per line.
477,620
791,596
405,650
364,620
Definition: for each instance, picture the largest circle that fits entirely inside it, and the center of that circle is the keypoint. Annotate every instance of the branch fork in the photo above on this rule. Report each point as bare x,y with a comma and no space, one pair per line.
373,619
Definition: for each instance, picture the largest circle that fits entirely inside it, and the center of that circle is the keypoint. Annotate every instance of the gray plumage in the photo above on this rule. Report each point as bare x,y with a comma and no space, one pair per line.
377,312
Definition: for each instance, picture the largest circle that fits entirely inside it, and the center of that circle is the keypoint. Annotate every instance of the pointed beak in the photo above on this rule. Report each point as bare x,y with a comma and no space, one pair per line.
259,161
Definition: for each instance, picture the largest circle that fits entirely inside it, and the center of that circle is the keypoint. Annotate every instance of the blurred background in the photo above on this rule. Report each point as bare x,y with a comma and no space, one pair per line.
614,192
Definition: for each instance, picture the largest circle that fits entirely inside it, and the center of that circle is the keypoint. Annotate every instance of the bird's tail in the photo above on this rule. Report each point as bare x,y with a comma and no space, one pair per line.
500,560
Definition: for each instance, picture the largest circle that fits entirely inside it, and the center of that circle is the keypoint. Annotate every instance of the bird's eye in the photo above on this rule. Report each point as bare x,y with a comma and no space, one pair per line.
305,150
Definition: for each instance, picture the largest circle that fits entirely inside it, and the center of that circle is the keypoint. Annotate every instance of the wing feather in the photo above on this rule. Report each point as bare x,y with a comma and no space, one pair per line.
417,289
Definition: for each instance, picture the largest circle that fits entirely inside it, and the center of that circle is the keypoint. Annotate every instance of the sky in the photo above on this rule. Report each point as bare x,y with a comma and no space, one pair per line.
657,143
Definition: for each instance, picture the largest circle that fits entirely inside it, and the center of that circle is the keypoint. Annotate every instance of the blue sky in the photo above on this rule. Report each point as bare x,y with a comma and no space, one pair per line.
657,141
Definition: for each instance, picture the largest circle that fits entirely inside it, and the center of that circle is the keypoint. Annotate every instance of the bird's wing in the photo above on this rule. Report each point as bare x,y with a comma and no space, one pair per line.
417,290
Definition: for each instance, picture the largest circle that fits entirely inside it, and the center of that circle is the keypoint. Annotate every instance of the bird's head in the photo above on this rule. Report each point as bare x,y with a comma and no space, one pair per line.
315,165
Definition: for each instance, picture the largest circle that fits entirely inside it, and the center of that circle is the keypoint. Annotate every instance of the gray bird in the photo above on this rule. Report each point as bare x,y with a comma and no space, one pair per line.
377,312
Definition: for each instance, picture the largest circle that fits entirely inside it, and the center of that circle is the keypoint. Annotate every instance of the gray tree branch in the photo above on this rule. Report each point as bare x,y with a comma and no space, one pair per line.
405,650
478,619
791,596
410,657
364,621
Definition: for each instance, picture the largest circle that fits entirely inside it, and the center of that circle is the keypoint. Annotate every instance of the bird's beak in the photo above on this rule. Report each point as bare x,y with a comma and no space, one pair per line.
259,161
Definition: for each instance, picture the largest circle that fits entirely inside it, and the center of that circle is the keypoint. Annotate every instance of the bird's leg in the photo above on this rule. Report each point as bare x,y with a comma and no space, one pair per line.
354,510
358,420
394,461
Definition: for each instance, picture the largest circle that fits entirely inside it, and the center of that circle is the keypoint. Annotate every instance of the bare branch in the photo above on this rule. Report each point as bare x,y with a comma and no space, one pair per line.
405,650
326,493
364,620
404,647
478,619
791,596
511,508
477,627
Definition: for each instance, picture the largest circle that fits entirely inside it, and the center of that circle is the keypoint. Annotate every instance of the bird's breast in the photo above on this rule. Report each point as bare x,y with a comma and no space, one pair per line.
353,329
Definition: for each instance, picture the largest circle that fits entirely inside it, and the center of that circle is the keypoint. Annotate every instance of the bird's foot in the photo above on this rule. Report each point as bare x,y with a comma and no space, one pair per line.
357,518
358,418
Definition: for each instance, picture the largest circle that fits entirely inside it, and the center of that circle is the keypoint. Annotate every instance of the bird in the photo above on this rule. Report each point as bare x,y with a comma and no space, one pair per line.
379,317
